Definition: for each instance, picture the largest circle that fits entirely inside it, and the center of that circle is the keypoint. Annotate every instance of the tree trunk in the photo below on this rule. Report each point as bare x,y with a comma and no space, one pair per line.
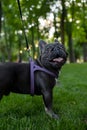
71,50
19,47
38,35
38,32
0,15
9,48
33,46
62,21
85,52
7,42
56,35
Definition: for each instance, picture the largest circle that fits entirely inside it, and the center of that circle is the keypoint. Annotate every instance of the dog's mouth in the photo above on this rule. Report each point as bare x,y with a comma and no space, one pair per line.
58,60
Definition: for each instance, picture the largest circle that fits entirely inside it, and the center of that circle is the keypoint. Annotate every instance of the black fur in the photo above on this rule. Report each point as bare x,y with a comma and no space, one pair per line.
15,77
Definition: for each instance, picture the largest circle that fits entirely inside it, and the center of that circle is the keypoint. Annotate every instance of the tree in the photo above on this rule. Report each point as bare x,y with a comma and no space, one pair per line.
69,31
65,23
80,27
84,25
0,14
62,23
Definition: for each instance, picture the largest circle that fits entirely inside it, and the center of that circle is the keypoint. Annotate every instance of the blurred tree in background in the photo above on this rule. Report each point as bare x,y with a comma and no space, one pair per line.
43,19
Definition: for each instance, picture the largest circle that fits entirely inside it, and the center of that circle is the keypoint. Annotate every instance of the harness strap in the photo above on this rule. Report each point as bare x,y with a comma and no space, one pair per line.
34,68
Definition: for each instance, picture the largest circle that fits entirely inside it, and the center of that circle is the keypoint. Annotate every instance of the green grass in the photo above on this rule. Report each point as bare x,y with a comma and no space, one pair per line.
23,112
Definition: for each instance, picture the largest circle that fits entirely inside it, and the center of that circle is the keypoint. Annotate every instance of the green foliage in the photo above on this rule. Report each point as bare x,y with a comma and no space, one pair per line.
12,25
75,23
23,112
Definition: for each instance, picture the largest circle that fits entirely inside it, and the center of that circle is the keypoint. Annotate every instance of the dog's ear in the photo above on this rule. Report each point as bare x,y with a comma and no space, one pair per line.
55,40
42,45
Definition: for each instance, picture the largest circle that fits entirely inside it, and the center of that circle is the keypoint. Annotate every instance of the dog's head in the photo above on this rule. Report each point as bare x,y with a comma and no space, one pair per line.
52,56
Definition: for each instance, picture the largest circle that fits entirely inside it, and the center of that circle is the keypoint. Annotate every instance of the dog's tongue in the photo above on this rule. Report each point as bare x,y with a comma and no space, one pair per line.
58,59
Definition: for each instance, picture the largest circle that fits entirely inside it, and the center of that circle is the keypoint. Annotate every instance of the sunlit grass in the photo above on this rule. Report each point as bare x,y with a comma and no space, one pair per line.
23,112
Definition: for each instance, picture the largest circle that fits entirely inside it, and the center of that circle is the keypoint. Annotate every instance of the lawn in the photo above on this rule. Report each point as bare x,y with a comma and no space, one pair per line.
23,112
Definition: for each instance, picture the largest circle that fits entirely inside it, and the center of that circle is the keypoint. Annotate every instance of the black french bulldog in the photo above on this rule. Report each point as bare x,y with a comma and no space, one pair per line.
15,77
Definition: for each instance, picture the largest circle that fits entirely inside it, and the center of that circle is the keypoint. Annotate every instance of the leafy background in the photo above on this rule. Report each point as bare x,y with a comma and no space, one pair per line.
65,19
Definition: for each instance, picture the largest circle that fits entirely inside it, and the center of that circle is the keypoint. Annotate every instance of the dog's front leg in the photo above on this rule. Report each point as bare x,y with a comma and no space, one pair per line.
47,97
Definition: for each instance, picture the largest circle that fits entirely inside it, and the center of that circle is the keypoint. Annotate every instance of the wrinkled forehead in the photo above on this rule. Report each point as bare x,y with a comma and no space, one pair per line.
53,45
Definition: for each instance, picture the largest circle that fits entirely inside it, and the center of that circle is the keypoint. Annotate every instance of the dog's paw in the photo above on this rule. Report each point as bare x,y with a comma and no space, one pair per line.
55,116
51,114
